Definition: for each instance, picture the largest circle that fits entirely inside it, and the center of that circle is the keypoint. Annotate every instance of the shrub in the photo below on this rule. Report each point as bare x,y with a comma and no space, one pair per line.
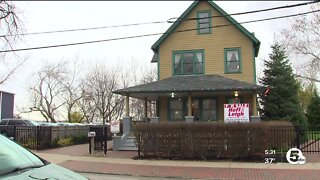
67,141
30,143
80,139
207,140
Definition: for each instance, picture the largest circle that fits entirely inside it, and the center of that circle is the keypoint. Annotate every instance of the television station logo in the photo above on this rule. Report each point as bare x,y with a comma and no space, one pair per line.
295,156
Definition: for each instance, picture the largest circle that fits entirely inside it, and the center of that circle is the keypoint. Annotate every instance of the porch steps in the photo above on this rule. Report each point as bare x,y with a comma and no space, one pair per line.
129,144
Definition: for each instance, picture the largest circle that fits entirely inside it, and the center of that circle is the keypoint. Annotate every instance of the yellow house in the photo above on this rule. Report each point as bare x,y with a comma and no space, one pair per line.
205,59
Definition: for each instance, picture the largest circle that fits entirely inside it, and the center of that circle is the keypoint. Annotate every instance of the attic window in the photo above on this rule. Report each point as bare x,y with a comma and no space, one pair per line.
204,22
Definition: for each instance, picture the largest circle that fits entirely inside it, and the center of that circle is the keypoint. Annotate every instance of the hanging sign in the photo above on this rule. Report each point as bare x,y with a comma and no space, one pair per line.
236,112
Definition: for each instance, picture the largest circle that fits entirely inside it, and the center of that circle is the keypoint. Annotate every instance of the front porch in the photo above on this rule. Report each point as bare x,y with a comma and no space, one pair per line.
193,98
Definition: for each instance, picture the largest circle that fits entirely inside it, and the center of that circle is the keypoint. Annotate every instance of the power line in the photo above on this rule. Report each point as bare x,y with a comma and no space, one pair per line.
154,34
158,22
84,29
250,12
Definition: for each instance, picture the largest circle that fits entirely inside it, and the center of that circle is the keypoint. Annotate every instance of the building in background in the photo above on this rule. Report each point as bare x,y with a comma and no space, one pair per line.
205,59
6,105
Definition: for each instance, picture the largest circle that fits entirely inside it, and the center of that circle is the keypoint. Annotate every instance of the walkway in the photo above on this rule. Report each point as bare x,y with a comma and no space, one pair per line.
77,158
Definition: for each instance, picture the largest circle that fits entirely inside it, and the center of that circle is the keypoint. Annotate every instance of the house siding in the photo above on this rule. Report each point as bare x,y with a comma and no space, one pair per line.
212,43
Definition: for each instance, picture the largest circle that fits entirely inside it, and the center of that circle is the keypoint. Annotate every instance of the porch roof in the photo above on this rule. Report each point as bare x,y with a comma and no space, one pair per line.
188,84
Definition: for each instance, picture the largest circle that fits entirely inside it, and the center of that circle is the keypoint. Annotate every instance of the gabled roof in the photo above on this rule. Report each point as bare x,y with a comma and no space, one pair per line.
191,83
184,15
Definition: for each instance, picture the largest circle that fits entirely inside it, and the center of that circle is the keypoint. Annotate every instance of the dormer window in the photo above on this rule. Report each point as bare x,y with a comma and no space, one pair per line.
204,22
188,62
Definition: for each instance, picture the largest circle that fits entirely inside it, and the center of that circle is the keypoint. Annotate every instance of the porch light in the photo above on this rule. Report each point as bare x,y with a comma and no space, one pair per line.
172,95
236,94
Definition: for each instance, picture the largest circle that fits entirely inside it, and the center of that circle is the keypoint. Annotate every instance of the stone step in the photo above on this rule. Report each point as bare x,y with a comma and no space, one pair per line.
128,144
128,149
129,141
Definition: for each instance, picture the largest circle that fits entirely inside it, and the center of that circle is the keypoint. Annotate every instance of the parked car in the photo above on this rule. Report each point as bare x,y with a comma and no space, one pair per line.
18,122
20,163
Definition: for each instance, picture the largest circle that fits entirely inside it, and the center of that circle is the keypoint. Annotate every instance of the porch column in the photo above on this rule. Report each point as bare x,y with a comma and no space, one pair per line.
145,108
189,118
190,105
254,104
127,106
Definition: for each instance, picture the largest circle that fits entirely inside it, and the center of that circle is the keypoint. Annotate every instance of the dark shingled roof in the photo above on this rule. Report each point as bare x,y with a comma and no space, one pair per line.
191,83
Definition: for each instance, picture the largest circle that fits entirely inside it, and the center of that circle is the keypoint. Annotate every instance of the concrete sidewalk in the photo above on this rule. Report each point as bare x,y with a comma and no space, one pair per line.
122,163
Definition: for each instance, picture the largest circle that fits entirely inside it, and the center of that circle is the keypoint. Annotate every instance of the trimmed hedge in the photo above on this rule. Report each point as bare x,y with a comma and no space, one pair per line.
208,140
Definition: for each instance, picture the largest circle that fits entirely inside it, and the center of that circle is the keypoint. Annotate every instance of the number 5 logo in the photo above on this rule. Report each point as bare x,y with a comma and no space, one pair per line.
294,156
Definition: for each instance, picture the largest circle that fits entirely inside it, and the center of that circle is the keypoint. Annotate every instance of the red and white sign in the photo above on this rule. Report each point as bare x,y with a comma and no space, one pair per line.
236,112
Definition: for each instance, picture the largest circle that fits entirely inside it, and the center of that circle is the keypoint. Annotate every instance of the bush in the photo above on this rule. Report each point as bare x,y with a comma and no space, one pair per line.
207,140
80,139
67,141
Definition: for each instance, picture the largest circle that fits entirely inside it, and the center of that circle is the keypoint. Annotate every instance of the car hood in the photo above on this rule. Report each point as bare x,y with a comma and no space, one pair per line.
48,172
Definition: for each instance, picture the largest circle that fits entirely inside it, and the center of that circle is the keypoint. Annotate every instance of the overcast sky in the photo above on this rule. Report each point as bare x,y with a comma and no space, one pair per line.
48,16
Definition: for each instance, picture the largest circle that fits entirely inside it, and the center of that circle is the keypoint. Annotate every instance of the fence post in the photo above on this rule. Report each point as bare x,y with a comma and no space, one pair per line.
139,143
38,137
105,133
154,143
14,133
89,141
297,128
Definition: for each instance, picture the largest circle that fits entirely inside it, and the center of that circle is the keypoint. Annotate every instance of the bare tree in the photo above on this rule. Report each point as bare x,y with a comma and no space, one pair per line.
136,75
10,26
303,40
99,84
86,105
46,93
71,88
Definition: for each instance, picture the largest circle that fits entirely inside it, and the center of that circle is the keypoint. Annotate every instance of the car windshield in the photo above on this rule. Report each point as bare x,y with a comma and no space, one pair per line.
13,157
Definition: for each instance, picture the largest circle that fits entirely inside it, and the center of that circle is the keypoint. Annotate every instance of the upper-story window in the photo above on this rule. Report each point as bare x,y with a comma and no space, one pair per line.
188,62
204,22
232,60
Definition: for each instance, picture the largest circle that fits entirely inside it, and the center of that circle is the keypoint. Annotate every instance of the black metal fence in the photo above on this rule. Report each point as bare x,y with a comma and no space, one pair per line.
40,137
33,137
305,138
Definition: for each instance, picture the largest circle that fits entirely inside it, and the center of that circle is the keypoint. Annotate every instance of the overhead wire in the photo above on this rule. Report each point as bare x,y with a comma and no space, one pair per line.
159,22
250,12
154,34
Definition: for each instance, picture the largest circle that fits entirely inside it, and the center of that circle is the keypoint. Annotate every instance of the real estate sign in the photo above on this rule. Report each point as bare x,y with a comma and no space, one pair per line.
236,112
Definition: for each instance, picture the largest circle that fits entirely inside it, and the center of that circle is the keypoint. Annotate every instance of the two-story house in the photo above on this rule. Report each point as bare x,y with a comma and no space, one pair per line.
205,59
